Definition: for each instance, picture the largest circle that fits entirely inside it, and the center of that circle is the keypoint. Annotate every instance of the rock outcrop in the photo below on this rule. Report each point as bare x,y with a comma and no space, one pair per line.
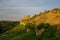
52,17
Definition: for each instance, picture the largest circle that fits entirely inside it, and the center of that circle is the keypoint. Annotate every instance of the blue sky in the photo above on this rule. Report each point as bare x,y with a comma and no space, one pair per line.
16,9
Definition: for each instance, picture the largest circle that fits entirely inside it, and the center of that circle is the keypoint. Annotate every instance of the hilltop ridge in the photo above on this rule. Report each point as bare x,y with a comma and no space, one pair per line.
51,16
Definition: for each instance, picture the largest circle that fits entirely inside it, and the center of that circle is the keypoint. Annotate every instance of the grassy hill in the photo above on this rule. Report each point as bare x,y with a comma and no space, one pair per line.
44,26
7,25
50,33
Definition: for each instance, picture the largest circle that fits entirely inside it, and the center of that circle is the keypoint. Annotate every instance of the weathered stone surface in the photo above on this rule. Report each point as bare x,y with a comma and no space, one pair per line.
52,17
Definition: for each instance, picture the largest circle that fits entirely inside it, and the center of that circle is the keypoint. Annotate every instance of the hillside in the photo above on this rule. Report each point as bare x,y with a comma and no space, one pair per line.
51,16
7,25
31,31
41,32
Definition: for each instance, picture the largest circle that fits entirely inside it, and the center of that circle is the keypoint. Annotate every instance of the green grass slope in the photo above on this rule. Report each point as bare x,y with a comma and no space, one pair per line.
49,34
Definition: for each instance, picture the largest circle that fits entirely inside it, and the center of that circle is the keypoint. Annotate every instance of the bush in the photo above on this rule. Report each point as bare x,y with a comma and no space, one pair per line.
43,25
30,25
8,25
49,34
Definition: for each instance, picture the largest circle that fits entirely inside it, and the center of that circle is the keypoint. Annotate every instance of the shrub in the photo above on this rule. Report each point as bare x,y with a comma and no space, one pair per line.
43,25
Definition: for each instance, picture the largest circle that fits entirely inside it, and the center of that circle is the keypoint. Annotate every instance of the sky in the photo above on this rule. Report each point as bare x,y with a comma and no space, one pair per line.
16,9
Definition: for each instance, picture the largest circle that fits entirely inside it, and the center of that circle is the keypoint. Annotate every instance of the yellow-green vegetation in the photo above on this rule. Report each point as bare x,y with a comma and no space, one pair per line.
45,32
7,25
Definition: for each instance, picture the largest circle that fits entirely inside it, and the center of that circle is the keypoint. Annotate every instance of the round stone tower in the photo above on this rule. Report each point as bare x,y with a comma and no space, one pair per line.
26,17
24,20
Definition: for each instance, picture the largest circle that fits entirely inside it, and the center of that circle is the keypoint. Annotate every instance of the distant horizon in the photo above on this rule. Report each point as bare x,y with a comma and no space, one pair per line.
16,9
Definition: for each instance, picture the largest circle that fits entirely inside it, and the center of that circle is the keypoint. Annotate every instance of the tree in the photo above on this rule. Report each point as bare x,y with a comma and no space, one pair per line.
1,30
43,25
41,28
49,34
30,26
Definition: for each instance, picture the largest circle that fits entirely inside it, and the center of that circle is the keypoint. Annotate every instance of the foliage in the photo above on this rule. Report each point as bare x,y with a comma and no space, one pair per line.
51,33
30,25
7,25
43,25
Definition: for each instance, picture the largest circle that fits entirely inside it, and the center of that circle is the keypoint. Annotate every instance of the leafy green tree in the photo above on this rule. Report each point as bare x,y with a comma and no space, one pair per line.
30,25
43,25
48,34
1,30
8,25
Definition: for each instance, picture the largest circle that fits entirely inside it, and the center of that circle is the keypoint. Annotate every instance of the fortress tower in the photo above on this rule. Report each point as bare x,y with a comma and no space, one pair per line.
24,20
26,17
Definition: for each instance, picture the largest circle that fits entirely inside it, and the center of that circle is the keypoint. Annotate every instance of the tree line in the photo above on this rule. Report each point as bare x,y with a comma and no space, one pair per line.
7,25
